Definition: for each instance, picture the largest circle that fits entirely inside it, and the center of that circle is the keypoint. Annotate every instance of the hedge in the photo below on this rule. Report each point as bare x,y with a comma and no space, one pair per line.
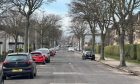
138,52
132,51
2,58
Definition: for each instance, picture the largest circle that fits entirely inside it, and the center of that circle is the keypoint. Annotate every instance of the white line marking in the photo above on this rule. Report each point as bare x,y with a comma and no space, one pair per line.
66,73
69,83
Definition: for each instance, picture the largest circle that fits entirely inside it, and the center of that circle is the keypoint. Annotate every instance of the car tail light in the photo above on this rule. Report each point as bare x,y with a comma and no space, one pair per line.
40,56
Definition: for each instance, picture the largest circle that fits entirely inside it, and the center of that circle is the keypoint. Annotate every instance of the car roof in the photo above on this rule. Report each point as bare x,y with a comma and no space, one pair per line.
18,53
43,49
37,51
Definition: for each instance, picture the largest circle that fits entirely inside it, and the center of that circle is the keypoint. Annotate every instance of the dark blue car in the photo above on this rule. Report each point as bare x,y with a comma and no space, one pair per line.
19,64
88,55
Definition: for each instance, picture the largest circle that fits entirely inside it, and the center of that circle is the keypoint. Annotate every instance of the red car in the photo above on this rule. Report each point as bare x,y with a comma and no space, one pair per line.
38,57
46,53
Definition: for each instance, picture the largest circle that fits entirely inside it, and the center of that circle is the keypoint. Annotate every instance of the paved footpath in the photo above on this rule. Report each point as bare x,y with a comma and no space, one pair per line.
131,68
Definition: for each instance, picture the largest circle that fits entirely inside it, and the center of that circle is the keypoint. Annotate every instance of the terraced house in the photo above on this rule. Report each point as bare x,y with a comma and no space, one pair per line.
132,33
7,42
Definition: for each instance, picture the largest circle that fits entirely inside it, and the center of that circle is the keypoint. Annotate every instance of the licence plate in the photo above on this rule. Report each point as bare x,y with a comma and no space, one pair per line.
17,70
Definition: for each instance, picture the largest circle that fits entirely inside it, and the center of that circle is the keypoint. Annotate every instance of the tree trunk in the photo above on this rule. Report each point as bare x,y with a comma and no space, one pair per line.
26,34
102,46
131,37
16,43
83,41
41,38
122,50
93,42
79,44
92,28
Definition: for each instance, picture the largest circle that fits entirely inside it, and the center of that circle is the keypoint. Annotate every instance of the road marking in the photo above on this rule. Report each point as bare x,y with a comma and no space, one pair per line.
70,83
42,65
66,73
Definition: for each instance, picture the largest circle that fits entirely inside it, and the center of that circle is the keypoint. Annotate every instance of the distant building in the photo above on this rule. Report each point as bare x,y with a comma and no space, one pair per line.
113,37
7,42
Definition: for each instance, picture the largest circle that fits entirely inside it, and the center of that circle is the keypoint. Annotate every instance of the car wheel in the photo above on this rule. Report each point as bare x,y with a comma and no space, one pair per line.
31,75
44,62
93,58
4,77
35,74
48,61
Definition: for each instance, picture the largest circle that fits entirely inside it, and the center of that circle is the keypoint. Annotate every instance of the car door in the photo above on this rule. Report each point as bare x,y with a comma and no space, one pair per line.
33,63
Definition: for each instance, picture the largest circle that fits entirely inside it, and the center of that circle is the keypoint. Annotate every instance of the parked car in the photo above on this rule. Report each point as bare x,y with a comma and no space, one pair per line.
52,52
71,49
1,75
38,57
19,64
88,55
46,53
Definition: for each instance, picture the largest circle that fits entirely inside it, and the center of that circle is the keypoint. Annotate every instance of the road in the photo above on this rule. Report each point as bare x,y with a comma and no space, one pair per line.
69,68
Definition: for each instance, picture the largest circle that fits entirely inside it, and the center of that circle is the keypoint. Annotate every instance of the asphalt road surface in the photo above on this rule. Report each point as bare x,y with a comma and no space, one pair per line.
69,68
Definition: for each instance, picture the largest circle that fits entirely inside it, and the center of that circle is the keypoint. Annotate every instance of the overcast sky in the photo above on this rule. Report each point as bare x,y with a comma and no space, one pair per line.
59,7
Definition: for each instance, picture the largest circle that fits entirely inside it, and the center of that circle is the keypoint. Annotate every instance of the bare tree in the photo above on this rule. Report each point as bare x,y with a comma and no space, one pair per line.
104,21
49,29
85,9
26,8
121,10
79,30
14,25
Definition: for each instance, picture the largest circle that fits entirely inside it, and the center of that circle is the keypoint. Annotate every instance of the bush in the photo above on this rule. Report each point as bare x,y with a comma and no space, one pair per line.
138,52
131,51
2,57
97,49
19,50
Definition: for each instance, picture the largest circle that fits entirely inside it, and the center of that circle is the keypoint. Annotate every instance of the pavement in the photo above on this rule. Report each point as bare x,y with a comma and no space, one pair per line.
131,68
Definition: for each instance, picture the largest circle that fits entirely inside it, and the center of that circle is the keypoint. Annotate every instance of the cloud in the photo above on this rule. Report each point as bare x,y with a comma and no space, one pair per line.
59,7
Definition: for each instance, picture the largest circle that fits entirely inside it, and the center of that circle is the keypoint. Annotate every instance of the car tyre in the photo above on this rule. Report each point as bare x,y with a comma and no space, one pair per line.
35,74
4,77
93,57
48,61
44,62
31,75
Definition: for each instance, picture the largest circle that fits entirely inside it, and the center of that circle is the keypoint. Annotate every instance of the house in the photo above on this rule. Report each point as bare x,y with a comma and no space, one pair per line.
113,36
7,42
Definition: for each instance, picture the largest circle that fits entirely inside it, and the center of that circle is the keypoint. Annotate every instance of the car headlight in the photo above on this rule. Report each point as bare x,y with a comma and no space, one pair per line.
4,67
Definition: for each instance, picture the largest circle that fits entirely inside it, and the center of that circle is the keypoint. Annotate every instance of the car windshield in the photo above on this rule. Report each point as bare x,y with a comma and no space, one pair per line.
35,54
88,52
44,51
16,57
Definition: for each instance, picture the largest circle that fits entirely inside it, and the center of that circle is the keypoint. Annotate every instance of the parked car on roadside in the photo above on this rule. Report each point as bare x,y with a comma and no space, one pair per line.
46,53
52,52
19,64
1,75
38,57
88,55
71,49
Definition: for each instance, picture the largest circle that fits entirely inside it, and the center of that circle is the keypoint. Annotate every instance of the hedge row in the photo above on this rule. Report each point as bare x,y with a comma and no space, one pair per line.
2,58
132,51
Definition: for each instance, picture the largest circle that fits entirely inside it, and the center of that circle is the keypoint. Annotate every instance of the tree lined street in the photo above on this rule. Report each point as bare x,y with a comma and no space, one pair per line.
74,30
69,68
